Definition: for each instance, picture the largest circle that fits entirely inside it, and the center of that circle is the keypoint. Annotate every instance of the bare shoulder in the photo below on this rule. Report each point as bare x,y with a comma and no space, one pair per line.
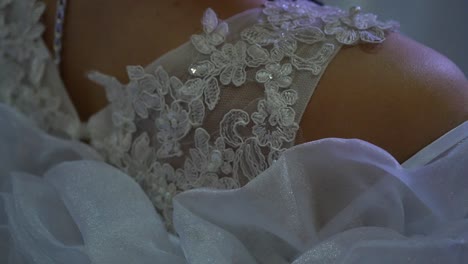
399,95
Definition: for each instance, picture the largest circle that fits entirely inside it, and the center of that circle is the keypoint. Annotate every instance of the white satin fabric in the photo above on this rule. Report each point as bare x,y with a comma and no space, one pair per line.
328,201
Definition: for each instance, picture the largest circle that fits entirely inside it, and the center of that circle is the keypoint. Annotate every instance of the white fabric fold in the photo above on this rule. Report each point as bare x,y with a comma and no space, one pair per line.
328,201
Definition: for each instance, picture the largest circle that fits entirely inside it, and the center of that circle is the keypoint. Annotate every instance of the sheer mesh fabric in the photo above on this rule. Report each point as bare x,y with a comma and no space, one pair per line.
221,109
214,113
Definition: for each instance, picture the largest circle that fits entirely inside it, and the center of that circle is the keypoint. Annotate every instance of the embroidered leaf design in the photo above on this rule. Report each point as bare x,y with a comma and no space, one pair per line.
162,80
212,92
196,158
209,21
202,139
196,112
190,171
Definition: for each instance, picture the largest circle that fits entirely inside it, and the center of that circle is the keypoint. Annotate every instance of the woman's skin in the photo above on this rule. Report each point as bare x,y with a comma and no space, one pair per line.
399,95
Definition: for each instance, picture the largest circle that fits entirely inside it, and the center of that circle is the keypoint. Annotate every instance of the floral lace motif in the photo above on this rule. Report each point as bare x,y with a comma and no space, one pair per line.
23,62
174,110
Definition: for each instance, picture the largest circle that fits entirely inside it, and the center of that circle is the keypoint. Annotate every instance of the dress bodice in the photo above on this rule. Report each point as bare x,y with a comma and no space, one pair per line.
215,112
220,111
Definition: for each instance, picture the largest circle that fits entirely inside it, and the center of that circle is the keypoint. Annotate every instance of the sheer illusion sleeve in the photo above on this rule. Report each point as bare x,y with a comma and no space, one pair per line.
222,108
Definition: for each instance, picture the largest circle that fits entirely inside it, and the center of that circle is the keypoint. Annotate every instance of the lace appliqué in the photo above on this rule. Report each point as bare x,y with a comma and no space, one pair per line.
23,63
357,27
181,154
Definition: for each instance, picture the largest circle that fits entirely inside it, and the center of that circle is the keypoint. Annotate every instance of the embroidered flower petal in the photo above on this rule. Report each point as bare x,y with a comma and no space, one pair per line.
333,28
257,55
257,35
284,81
287,46
348,37
219,35
239,76
196,112
220,59
192,90
309,35
276,55
289,96
240,50
226,75
372,35
263,76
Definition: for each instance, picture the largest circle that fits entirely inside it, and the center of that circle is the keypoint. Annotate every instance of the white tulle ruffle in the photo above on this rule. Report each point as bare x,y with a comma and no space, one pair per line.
329,201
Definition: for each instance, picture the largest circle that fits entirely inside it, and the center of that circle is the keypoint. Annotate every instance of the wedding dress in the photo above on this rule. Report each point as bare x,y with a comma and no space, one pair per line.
194,160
